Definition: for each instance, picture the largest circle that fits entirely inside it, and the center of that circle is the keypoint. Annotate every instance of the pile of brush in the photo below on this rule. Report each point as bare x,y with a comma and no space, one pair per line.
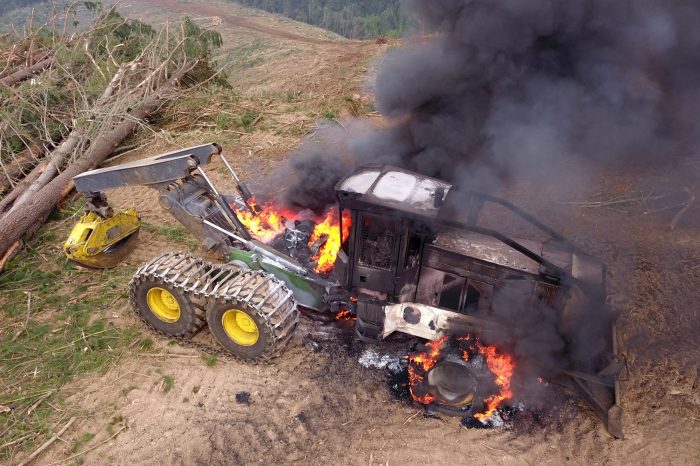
70,94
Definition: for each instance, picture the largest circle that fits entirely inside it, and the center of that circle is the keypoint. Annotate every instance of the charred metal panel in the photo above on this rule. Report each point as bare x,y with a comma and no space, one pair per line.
432,323
459,293
488,249
376,246
410,258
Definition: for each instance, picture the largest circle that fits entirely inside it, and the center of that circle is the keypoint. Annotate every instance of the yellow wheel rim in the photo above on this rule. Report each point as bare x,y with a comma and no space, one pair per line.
163,305
240,327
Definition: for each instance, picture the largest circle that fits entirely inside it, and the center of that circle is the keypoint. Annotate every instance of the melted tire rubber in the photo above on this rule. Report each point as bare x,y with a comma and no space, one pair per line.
205,291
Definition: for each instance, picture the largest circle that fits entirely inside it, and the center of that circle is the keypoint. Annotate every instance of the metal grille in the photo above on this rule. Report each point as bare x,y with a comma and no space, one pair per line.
376,244
550,294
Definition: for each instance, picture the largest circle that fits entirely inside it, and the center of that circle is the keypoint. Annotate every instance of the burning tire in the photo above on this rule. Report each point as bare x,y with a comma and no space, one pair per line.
459,376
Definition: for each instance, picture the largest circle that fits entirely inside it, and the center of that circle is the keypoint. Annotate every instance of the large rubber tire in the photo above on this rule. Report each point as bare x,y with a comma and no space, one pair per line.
191,317
260,299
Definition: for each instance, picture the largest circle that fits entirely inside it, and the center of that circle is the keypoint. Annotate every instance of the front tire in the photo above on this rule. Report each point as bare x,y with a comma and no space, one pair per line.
164,307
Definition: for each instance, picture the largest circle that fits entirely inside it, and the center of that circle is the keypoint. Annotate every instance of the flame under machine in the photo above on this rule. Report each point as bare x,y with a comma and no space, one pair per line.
410,257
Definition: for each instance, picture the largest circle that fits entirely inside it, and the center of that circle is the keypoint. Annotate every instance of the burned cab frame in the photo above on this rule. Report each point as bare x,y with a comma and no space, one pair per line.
418,261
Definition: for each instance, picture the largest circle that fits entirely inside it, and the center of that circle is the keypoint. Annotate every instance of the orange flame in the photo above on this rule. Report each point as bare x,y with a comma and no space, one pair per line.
344,314
329,251
499,364
269,223
425,361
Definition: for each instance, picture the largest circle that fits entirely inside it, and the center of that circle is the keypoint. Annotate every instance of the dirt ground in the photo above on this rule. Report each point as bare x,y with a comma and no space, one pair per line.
317,405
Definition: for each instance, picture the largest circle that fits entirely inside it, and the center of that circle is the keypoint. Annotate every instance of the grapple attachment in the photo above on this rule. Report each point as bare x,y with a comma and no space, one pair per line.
102,243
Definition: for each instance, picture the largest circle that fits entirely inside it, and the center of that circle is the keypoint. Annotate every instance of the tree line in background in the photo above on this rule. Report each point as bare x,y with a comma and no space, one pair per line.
354,19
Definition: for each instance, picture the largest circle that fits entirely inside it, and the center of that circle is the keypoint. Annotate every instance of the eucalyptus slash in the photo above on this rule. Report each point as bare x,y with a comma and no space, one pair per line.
97,89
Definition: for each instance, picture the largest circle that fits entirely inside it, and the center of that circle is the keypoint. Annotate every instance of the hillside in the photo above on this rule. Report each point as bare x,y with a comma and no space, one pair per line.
143,399
354,19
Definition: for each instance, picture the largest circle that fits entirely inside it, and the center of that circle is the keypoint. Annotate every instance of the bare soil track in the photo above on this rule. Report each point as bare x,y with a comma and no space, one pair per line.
317,405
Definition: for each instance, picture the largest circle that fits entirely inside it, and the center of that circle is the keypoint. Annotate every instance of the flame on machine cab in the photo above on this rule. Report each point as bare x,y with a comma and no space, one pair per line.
270,223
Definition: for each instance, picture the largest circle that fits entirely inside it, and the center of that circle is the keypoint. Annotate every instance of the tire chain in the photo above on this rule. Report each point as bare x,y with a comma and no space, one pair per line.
207,282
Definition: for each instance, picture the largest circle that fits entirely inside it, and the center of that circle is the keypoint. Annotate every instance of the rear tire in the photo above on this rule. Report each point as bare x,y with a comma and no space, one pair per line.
259,322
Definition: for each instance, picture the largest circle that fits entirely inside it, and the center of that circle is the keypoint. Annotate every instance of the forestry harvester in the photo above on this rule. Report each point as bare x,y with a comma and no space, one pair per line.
399,252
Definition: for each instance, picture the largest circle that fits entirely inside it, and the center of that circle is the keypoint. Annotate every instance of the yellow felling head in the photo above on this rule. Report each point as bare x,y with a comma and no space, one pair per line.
103,242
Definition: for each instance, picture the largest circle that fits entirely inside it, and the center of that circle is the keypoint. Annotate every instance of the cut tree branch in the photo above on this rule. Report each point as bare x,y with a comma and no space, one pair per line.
24,73
15,223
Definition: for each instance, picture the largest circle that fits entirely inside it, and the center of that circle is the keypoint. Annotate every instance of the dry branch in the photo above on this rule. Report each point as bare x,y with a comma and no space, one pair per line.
26,72
684,209
15,169
37,207
47,444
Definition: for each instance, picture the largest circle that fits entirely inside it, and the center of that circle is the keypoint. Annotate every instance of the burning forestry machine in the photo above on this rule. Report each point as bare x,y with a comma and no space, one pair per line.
395,254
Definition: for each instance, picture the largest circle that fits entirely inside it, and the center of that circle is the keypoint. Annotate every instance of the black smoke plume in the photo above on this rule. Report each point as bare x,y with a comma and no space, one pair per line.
489,91
492,90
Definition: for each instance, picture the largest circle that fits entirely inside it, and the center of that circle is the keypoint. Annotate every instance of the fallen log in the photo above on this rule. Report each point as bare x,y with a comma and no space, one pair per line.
21,187
55,163
14,224
17,246
26,72
15,169
63,152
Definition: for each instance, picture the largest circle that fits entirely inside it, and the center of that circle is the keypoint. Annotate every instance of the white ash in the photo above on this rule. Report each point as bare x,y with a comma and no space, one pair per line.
371,358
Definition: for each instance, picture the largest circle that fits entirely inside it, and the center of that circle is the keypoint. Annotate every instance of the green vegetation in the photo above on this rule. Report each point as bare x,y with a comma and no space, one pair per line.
355,19
209,359
329,114
47,107
167,383
176,234
129,389
116,421
81,441
50,333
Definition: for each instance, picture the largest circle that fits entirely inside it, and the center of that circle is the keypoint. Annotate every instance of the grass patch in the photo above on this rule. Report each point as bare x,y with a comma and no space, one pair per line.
81,441
246,56
129,389
146,344
249,119
53,328
167,383
329,114
209,359
116,421
176,234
